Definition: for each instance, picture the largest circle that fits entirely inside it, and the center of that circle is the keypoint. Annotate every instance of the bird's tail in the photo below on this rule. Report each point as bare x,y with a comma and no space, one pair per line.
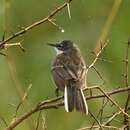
74,98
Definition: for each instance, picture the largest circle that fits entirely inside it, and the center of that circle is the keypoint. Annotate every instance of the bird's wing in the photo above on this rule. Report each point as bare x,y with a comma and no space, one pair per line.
64,72
68,69
77,70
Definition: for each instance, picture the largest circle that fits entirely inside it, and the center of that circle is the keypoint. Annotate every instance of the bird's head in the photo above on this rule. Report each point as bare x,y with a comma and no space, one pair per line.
62,46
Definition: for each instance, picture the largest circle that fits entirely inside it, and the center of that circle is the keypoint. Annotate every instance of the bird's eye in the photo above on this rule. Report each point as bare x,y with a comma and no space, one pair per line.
61,46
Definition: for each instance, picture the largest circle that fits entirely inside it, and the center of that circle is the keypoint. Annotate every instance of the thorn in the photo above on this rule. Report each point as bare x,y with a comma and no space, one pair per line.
106,60
6,46
12,33
1,46
27,91
124,75
21,47
125,60
3,37
3,54
93,53
100,76
101,45
68,7
23,98
56,25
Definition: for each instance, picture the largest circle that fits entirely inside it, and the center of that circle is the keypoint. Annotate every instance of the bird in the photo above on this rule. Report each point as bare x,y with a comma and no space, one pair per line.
69,74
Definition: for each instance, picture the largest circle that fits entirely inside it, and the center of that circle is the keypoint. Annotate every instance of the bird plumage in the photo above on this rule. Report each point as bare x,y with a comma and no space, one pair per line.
69,74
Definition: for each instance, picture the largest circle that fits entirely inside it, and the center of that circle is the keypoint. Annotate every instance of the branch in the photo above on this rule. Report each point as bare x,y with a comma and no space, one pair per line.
96,120
56,103
114,102
35,24
126,121
109,120
96,126
115,91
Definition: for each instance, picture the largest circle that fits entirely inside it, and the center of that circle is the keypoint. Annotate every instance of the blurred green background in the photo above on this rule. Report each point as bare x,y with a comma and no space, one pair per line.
19,69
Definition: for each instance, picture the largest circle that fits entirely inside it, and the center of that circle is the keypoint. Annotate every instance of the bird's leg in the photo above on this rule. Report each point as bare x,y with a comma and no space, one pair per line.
57,92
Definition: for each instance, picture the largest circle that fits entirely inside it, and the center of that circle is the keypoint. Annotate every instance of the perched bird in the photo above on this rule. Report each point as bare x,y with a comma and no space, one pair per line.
69,74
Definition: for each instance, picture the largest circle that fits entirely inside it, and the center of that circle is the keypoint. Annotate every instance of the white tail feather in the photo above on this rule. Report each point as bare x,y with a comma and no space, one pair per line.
86,106
66,99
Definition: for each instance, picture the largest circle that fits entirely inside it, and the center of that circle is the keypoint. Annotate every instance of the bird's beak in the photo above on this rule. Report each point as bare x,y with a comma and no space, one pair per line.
52,45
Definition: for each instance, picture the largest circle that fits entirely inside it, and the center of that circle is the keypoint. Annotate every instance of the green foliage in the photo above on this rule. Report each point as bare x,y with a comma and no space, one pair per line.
20,69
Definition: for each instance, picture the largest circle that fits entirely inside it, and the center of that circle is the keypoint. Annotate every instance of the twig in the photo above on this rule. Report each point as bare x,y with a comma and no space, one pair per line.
35,24
96,120
38,120
108,24
97,55
100,112
102,108
4,121
3,54
125,126
116,91
100,76
110,119
56,25
94,61
56,103
23,98
6,46
115,103
126,84
44,122
96,126
68,7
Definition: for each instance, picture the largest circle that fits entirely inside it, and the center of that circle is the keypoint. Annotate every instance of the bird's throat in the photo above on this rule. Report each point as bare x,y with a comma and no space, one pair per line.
58,52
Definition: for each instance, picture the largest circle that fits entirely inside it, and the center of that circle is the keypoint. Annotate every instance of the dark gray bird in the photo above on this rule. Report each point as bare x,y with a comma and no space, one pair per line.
69,74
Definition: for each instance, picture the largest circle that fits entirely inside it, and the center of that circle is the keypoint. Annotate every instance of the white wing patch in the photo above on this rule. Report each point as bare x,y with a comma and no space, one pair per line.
66,99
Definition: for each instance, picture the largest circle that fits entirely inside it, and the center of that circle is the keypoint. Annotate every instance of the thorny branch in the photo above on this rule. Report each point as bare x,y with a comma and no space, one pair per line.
126,121
97,55
103,126
48,18
124,110
100,113
96,120
23,99
109,120
56,103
